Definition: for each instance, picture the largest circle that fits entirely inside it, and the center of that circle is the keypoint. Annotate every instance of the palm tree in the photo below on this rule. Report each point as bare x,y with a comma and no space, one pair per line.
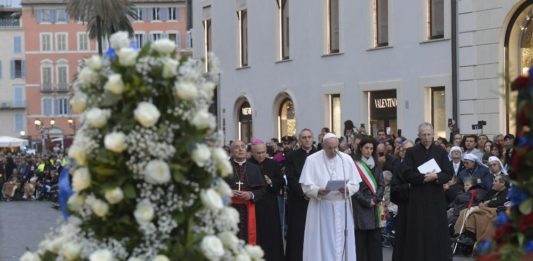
103,17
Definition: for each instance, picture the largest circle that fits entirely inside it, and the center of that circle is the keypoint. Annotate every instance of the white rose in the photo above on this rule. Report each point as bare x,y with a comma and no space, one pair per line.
201,154
97,118
161,258
186,90
115,141
203,120
75,202
101,255
212,247
224,189
242,257
157,172
119,40
95,62
81,179
211,199
55,244
29,256
78,102
114,84
222,161
98,206
113,196
170,68
88,76
78,153
164,46
146,114
71,250
134,259
127,56
231,215
229,239
255,252
144,212
225,168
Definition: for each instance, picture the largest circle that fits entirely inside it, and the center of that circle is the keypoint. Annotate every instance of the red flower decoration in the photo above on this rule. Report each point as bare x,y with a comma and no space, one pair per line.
520,83
491,257
522,118
525,222
502,231
516,161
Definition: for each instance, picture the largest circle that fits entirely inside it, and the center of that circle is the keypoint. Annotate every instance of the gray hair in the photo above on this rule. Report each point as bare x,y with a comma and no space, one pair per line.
424,125
408,142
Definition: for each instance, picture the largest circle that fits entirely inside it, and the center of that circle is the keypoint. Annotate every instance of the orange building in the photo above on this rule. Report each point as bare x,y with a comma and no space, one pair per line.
55,47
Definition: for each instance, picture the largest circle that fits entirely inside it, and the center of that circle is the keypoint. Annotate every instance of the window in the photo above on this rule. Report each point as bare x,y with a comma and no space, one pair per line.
61,16
156,36
62,106
46,77
188,40
175,37
46,42
139,12
207,41
438,111
18,70
19,121
333,26
283,15
173,13
19,96
83,41
139,40
242,16
17,44
62,78
45,16
155,14
436,19
46,106
335,113
381,27
61,42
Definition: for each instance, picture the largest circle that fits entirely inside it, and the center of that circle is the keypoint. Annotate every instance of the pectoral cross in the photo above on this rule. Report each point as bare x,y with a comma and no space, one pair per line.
239,183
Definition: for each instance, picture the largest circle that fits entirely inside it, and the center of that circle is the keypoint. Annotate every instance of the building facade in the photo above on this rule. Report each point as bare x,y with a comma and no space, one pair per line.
12,73
293,64
55,48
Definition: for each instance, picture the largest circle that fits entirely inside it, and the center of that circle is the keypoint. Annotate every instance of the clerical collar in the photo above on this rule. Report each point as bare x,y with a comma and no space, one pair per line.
240,163
307,151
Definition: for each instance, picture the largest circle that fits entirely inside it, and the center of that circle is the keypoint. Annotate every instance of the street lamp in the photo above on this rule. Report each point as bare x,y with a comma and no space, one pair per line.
72,124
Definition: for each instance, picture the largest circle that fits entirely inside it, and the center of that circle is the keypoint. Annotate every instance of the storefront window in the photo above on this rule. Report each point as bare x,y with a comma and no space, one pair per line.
438,111
382,107
335,113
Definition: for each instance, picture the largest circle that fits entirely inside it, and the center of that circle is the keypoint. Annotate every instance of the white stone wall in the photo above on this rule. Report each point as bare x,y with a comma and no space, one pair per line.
410,65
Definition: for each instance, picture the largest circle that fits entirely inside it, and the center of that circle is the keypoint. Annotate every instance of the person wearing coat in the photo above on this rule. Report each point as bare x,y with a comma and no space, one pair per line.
366,203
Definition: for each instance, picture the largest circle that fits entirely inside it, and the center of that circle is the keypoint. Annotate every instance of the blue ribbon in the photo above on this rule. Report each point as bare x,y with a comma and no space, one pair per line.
65,191
110,53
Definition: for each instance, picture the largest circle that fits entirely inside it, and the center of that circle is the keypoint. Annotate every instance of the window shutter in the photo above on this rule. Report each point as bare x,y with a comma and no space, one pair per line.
19,96
0,69
12,69
188,43
19,121
178,40
177,13
39,16
53,16
16,44
163,13
57,106
147,14
23,68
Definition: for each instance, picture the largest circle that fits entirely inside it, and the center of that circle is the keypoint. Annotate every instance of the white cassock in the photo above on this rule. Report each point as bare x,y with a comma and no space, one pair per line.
325,224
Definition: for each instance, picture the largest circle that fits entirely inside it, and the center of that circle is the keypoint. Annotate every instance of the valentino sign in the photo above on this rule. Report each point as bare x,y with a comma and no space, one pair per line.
386,103
383,105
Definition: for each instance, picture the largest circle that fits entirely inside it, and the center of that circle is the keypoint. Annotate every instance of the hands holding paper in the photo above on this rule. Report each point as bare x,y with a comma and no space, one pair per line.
430,176
322,192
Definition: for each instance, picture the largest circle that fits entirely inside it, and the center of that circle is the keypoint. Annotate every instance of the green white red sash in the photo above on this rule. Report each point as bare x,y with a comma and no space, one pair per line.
366,176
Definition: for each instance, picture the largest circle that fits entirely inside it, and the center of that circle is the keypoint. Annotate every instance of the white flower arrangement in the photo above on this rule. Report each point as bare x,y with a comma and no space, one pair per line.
148,178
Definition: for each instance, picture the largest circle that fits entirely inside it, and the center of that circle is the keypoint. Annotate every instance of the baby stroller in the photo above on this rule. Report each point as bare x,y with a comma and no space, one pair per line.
459,243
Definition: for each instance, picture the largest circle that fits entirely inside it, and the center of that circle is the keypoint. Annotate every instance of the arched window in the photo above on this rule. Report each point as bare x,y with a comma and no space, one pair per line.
245,122
286,119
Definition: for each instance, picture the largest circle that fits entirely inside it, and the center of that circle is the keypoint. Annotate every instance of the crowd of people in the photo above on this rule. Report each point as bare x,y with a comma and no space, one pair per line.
457,203
29,176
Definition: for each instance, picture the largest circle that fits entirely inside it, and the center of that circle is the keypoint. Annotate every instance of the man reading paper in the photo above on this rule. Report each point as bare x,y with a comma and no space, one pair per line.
329,230
426,233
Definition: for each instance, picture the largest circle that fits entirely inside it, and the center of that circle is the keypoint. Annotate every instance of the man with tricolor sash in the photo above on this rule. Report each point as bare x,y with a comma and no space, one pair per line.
366,202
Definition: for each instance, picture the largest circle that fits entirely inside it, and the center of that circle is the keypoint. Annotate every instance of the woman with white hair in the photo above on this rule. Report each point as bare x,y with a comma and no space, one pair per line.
456,157
474,168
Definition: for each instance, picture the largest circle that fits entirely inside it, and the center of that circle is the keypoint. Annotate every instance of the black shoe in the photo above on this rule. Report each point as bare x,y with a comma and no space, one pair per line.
466,240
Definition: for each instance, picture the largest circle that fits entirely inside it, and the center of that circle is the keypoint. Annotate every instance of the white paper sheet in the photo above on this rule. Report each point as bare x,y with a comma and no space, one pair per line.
429,166
335,184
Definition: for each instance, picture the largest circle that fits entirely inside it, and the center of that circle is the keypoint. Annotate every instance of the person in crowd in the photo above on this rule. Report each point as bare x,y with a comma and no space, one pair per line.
344,146
355,142
279,154
329,218
349,131
269,235
389,146
482,139
457,139
426,233
479,221
10,187
382,136
390,209
248,185
476,170
496,150
397,145
486,151
385,160
297,200
496,166
470,195
366,202
323,132
456,157
471,146
508,149
442,142
9,167
498,139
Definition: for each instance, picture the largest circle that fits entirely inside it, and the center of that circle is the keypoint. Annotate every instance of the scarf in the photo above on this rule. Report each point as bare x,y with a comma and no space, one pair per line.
369,162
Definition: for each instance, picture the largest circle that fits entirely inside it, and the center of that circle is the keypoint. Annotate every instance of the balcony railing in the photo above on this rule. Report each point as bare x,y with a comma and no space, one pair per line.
62,87
10,105
9,22
46,87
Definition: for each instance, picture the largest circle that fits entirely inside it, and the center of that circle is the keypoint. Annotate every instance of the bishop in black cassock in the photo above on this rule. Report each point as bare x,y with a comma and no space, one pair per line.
248,185
297,201
426,234
267,211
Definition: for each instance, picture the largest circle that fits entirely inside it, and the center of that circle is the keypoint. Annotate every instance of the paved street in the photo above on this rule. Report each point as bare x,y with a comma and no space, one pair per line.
23,225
